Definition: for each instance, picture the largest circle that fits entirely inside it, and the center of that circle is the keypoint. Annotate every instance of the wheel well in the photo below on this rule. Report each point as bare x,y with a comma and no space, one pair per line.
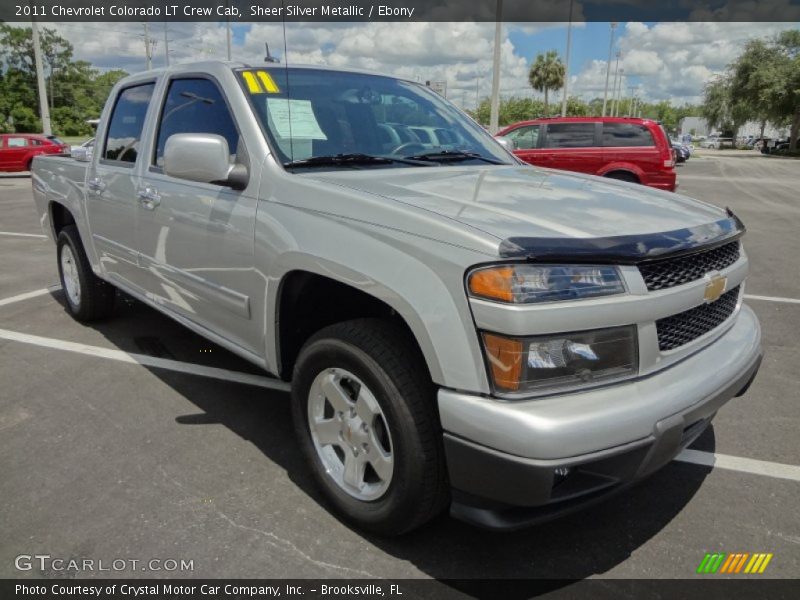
60,217
307,302
623,175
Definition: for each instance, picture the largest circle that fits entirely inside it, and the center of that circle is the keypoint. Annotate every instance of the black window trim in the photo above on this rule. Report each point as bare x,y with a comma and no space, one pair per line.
123,163
153,168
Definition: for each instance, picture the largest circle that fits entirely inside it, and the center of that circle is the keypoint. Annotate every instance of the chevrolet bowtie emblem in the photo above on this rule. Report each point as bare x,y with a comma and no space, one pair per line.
715,288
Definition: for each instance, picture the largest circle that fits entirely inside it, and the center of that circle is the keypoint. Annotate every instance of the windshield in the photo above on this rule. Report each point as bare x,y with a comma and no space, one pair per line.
310,114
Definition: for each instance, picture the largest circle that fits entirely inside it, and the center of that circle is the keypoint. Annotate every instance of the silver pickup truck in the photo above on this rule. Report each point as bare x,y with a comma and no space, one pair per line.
459,329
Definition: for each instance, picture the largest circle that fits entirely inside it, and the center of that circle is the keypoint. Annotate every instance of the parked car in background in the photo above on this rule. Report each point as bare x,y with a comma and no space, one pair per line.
681,152
635,150
18,149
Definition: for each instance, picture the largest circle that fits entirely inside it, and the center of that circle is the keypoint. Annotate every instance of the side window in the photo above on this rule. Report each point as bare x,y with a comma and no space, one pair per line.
525,138
626,134
17,142
569,135
195,106
127,120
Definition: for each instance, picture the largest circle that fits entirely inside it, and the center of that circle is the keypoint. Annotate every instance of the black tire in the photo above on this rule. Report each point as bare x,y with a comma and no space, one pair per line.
623,176
381,355
96,296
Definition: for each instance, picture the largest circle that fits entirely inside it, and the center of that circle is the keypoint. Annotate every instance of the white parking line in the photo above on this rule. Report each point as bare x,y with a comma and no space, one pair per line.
147,361
29,295
773,299
743,465
33,235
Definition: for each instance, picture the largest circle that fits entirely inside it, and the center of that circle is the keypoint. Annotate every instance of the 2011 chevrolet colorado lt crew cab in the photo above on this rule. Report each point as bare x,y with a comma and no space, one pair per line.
459,329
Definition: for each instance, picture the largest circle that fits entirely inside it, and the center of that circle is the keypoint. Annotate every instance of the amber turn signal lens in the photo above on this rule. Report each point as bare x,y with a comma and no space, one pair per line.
505,360
493,283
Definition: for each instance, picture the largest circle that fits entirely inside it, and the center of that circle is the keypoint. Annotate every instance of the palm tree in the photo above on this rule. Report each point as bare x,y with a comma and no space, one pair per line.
547,73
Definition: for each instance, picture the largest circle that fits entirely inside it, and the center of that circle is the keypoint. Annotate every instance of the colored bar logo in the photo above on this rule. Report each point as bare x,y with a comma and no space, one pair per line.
259,82
734,563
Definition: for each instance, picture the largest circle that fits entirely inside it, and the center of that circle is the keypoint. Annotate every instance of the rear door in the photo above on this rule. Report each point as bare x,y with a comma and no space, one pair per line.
196,239
572,147
112,183
631,144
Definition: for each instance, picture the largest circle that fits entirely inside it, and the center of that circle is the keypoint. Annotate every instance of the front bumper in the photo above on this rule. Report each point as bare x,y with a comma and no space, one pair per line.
504,458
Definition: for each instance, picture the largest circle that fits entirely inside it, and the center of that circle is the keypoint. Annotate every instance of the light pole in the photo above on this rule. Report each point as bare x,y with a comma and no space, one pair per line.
566,65
147,47
44,111
608,65
166,45
614,88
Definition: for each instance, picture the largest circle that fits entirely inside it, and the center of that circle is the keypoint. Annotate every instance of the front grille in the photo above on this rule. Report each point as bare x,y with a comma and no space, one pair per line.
669,272
680,329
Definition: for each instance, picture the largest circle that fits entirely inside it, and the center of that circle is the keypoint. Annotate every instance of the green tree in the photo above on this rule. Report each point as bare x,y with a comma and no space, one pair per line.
546,73
786,99
77,90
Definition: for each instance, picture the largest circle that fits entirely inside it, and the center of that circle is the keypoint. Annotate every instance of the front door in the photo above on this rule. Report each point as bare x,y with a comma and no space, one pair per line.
112,184
196,239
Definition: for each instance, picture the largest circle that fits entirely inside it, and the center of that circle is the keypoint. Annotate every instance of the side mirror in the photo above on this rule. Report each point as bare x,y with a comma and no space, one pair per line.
506,143
203,157
82,153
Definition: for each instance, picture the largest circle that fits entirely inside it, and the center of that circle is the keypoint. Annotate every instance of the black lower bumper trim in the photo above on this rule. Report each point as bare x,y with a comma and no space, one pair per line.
496,490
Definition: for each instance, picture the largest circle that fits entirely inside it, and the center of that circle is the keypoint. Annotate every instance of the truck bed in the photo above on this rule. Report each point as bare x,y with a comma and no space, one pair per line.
58,178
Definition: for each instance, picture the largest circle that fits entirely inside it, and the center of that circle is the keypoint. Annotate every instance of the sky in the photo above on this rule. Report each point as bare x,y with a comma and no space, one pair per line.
659,61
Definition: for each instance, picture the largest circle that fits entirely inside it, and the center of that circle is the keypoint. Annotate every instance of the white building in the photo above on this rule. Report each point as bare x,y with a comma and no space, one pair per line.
698,126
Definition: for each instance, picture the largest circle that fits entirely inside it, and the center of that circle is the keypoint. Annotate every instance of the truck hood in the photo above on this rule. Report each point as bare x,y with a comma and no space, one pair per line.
527,202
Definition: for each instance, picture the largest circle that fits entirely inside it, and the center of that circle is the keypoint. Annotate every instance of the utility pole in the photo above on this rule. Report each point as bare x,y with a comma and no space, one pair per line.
608,65
494,113
566,65
619,94
44,111
166,44
147,46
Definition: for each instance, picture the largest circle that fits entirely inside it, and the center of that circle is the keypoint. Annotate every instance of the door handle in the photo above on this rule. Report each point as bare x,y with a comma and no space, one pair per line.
149,198
96,185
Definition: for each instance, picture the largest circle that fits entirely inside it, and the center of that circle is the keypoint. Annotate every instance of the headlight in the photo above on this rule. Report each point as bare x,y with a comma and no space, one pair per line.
565,360
524,283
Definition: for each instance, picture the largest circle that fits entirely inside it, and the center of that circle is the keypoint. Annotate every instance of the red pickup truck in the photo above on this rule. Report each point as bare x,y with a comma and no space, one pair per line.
18,149
636,150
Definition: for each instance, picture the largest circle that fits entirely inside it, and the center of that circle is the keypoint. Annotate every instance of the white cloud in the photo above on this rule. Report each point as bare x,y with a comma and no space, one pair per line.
674,60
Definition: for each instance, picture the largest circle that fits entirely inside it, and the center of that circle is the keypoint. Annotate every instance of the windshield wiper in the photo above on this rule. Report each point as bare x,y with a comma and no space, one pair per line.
353,159
455,156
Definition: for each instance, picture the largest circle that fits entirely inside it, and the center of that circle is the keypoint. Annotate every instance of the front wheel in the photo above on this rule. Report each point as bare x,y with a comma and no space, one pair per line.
364,413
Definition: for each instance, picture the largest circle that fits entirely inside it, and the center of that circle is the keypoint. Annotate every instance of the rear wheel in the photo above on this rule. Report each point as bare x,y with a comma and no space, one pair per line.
623,176
364,412
88,297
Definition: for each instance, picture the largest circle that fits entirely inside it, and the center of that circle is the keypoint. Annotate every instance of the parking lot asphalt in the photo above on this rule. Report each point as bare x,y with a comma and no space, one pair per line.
105,458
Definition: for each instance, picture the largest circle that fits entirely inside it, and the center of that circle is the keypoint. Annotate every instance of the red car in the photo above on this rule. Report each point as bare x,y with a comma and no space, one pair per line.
636,150
18,149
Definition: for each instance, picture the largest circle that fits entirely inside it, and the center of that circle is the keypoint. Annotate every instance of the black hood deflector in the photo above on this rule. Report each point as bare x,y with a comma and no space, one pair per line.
625,249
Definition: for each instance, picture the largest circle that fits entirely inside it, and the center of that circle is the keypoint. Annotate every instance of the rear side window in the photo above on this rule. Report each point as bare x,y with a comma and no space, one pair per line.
127,120
525,138
195,106
626,134
17,142
569,135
